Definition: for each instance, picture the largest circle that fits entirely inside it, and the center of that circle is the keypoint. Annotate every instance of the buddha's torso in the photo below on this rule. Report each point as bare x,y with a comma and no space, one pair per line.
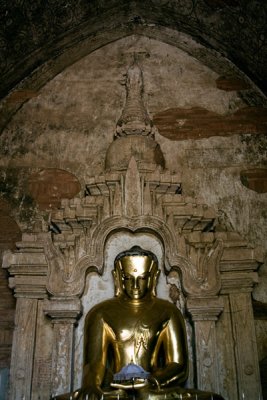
134,329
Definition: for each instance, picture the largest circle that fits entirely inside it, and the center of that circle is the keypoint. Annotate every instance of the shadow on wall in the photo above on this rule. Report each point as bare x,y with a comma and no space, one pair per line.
263,370
4,378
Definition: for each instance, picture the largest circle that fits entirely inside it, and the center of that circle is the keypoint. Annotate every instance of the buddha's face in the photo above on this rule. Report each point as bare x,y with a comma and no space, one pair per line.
136,276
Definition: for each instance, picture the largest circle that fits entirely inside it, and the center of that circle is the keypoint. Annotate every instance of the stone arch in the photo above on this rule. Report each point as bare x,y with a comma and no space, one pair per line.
85,43
172,258
59,284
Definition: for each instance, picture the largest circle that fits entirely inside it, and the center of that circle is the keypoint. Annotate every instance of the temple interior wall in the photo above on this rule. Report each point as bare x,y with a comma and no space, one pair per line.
68,126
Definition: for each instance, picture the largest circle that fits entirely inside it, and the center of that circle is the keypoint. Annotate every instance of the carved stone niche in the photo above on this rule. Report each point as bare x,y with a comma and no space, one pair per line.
198,281
51,272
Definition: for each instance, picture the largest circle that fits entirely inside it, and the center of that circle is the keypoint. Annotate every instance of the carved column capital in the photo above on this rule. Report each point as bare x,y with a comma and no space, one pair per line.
25,286
63,309
239,264
205,308
237,282
27,267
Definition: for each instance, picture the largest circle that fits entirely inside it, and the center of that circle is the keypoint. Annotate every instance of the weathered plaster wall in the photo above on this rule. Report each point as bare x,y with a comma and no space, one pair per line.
61,124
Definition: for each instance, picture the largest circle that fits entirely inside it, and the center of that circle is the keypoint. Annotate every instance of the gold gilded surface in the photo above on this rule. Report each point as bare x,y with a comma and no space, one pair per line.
136,327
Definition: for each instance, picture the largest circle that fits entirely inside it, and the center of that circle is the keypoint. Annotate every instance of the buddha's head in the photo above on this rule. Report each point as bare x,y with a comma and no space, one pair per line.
136,272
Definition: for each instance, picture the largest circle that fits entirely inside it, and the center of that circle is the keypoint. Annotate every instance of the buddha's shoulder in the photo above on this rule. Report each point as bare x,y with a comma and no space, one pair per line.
104,307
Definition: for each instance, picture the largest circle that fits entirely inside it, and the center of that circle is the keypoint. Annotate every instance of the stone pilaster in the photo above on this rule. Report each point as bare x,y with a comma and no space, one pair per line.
204,312
238,286
41,376
64,313
226,353
23,349
27,271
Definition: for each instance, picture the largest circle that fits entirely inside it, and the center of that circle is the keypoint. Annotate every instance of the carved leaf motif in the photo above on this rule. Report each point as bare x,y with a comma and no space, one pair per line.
200,268
64,278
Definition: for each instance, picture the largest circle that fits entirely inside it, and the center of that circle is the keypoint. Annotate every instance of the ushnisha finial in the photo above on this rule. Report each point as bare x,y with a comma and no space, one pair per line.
134,119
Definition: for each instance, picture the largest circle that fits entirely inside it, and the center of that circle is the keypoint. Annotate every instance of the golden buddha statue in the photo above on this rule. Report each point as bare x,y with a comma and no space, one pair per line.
137,330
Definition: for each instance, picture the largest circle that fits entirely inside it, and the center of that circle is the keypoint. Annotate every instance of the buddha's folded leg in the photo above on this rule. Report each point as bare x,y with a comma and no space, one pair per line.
67,396
168,394
178,393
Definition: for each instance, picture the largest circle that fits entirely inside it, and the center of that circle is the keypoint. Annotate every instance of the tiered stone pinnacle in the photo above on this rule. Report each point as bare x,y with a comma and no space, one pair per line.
134,119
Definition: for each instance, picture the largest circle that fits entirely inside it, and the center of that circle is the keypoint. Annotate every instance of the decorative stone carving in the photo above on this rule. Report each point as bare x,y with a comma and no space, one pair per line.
147,153
28,267
134,119
134,132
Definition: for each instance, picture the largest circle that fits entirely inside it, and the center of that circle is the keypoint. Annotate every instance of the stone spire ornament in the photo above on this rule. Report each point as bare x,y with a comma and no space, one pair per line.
134,137
134,119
